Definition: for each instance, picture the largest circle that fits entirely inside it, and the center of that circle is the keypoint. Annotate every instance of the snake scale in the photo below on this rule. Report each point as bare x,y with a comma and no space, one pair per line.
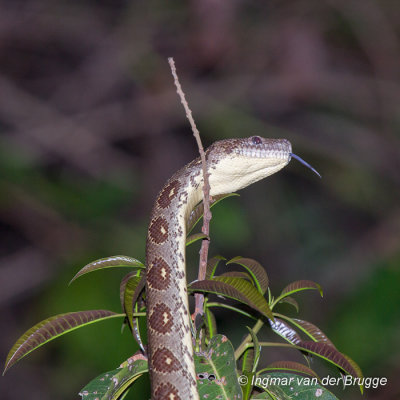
232,164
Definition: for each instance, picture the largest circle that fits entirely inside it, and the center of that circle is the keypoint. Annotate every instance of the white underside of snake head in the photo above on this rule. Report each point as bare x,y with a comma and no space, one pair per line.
245,161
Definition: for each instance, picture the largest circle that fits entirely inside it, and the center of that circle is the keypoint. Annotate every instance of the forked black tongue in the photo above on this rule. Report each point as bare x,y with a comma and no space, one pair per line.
305,163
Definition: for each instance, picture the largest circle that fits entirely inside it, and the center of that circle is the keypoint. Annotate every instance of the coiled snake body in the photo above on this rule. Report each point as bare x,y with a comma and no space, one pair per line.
232,165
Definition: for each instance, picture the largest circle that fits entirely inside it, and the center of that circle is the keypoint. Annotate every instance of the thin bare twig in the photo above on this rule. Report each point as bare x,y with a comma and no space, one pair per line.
199,298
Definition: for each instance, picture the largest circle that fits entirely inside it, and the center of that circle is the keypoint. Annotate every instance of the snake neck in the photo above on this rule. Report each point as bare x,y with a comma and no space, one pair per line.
170,348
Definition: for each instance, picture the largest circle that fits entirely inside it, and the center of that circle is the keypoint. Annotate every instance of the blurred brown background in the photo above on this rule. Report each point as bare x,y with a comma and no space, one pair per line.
91,126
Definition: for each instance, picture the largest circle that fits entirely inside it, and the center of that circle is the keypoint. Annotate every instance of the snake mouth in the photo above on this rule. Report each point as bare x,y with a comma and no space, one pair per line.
304,163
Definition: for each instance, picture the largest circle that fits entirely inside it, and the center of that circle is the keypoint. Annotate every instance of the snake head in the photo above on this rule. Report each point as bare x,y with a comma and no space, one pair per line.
234,164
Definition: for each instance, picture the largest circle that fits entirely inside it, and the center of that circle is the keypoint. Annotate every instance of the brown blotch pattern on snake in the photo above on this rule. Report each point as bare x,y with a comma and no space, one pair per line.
159,274
158,230
164,361
161,319
166,391
168,193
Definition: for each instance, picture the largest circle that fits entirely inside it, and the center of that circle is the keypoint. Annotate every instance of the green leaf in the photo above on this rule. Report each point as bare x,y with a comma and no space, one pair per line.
287,386
289,366
247,387
129,293
210,322
234,288
285,331
109,262
97,388
297,286
256,271
52,328
133,288
194,238
216,371
257,349
198,211
291,301
122,286
212,265
264,396
111,385
250,361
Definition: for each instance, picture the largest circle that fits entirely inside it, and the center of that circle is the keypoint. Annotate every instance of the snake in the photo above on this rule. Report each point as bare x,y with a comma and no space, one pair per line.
232,164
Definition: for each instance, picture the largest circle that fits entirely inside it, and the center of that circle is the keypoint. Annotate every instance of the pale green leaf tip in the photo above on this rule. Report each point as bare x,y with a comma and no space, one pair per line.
69,284
233,259
219,257
76,276
7,366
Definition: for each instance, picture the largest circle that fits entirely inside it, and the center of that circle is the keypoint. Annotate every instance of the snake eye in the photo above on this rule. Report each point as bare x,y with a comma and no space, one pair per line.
256,140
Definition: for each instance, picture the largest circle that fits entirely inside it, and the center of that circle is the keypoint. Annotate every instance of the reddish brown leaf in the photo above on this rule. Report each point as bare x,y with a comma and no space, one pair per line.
291,301
255,269
109,262
234,288
330,354
238,274
52,328
297,286
212,265
313,331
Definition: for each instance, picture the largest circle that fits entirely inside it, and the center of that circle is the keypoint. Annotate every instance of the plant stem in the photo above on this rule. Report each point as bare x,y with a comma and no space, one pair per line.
229,307
243,346
199,297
